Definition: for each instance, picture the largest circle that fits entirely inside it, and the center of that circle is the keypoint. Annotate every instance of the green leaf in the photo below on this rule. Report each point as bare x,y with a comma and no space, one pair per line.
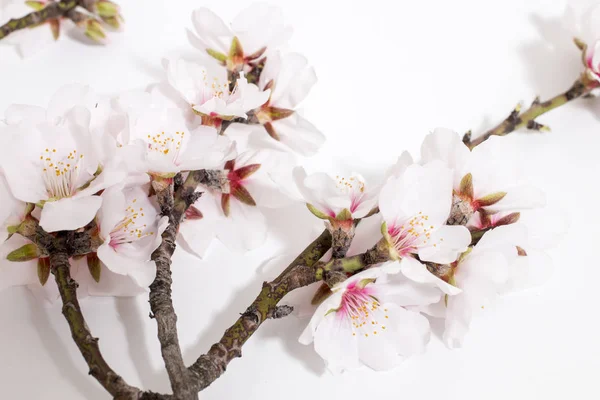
276,113
113,22
466,185
344,215
95,31
217,55
236,53
94,266
246,171
508,219
257,53
316,212
490,199
364,282
36,5
27,252
271,131
43,270
225,204
243,195
107,9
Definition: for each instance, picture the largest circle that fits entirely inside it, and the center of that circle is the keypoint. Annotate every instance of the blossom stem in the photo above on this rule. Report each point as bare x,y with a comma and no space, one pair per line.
375,255
517,119
53,10
300,273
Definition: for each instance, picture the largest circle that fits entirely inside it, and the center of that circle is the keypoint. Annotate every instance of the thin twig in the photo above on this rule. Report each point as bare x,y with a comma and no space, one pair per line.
87,344
517,119
51,11
300,273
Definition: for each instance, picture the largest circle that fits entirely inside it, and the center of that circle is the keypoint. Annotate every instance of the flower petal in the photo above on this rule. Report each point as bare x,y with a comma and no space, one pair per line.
69,213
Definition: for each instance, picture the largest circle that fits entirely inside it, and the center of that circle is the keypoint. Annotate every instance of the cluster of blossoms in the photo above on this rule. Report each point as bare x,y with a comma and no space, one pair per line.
452,242
93,163
452,237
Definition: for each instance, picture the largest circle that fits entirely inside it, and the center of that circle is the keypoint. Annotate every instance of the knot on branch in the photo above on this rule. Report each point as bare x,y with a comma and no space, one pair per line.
280,312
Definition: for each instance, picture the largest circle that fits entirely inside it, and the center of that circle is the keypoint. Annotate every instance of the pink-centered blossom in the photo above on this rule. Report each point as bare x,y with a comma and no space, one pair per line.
364,322
290,79
415,206
488,178
207,91
58,167
328,197
130,228
257,30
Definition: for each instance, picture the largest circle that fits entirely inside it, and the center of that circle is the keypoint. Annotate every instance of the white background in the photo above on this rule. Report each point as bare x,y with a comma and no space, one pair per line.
390,71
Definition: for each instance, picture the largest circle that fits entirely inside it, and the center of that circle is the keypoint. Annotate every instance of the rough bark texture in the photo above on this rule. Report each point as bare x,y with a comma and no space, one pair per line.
87,344
517,119
301,272
53,10
173,205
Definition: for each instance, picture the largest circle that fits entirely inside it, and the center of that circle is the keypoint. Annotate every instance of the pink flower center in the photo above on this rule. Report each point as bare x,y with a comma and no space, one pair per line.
411,234
363,310
129,229
355,188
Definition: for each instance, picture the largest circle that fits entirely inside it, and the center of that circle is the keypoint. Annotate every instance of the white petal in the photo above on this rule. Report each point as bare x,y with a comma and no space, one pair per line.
211,30
445,244
421,190
335,343
446,145
112,210
299,134
69,214
418,273
19,113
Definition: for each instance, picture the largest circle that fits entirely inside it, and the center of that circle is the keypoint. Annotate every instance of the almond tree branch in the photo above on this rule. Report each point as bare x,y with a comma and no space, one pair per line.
51,11
517,119
60,248
301,272
174,204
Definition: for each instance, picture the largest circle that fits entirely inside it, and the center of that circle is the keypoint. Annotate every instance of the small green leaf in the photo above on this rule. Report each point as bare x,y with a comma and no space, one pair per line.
271,131
246,171
107,9
490,199
364,282
95,31
55,28
276,113
236,53
316,212
36,5
94,266
225,204
256,54
217,55
508,219
243,195
27,252
43,270
113,22
466,186
344,215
